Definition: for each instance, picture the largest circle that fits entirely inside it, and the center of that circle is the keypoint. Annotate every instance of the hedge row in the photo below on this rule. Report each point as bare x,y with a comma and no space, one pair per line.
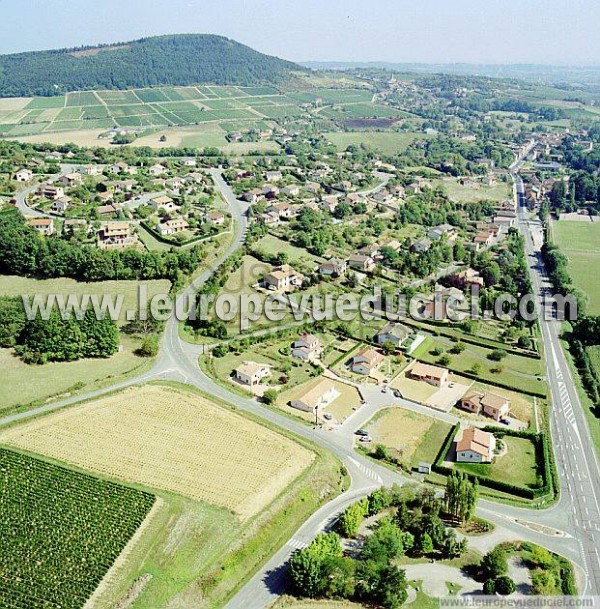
166,241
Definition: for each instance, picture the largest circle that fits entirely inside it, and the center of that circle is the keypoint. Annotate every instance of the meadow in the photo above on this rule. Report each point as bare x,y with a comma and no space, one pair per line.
387,142
580,242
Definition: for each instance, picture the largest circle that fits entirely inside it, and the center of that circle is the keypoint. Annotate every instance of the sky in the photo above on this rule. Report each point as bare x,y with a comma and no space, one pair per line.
559,32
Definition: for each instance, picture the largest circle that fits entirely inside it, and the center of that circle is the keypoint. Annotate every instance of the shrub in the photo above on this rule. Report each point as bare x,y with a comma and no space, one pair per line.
497,355
269,396
505,585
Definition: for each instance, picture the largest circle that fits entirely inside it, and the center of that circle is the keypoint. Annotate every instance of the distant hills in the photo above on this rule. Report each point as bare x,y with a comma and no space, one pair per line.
181,59
572,75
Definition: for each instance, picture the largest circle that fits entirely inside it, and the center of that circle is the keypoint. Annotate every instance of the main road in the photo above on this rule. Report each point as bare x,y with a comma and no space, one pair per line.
569,527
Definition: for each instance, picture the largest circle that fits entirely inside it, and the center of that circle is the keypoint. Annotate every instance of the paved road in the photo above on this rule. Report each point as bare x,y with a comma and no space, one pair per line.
575,538
576,458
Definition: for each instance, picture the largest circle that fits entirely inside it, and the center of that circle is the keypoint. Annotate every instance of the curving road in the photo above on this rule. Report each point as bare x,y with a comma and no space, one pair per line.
570,527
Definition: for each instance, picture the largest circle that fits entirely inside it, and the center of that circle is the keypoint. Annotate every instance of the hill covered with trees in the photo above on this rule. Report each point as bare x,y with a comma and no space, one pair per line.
181,59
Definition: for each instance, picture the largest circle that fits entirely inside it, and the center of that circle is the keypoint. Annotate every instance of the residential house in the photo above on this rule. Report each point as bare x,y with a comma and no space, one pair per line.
174,184
71,179
157,170
468,277
434,375
53,192
44,226
366,361
317,398
172,226
90,170
334,267
482,240
439,231
283,277
60,205
392,333
273,176
108,210
283,210
293,190
24,175
163,202
251,373
307,347
475,446
122,167
116,236
360,262
371,250
216,218
421,246
491,405
189,162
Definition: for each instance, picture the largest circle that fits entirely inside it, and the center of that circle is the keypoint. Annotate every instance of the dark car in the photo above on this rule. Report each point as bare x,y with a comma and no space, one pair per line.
361,432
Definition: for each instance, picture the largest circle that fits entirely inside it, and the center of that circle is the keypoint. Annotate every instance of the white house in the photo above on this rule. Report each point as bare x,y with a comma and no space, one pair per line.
319,397
475,446
251,373
24,175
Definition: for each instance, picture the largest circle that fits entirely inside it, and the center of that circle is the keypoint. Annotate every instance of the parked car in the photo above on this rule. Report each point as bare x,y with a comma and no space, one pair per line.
365,439
397,393
362,432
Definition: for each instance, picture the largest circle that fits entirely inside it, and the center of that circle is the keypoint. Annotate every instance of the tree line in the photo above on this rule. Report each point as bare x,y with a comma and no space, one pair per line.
26,253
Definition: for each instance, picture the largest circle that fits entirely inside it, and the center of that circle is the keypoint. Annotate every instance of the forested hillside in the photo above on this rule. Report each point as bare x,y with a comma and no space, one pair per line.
163,60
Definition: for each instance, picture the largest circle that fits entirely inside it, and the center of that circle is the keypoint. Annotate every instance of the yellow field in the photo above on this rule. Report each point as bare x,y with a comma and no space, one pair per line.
171,440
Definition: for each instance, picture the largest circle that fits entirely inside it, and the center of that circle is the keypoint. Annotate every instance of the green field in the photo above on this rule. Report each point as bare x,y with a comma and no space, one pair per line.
388,142
60,531
580,242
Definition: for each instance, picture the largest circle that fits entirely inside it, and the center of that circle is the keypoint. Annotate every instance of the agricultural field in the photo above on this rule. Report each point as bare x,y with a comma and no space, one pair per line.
580,242
410,436
170,441
81,117
61,531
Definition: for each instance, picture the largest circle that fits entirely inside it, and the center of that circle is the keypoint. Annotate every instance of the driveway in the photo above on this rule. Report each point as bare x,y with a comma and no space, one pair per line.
435,576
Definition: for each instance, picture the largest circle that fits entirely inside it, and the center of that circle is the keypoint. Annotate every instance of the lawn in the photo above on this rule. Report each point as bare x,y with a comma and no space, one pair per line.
518,466
580,242
272,246
388,142
457,192
411,436
170,440
515,371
